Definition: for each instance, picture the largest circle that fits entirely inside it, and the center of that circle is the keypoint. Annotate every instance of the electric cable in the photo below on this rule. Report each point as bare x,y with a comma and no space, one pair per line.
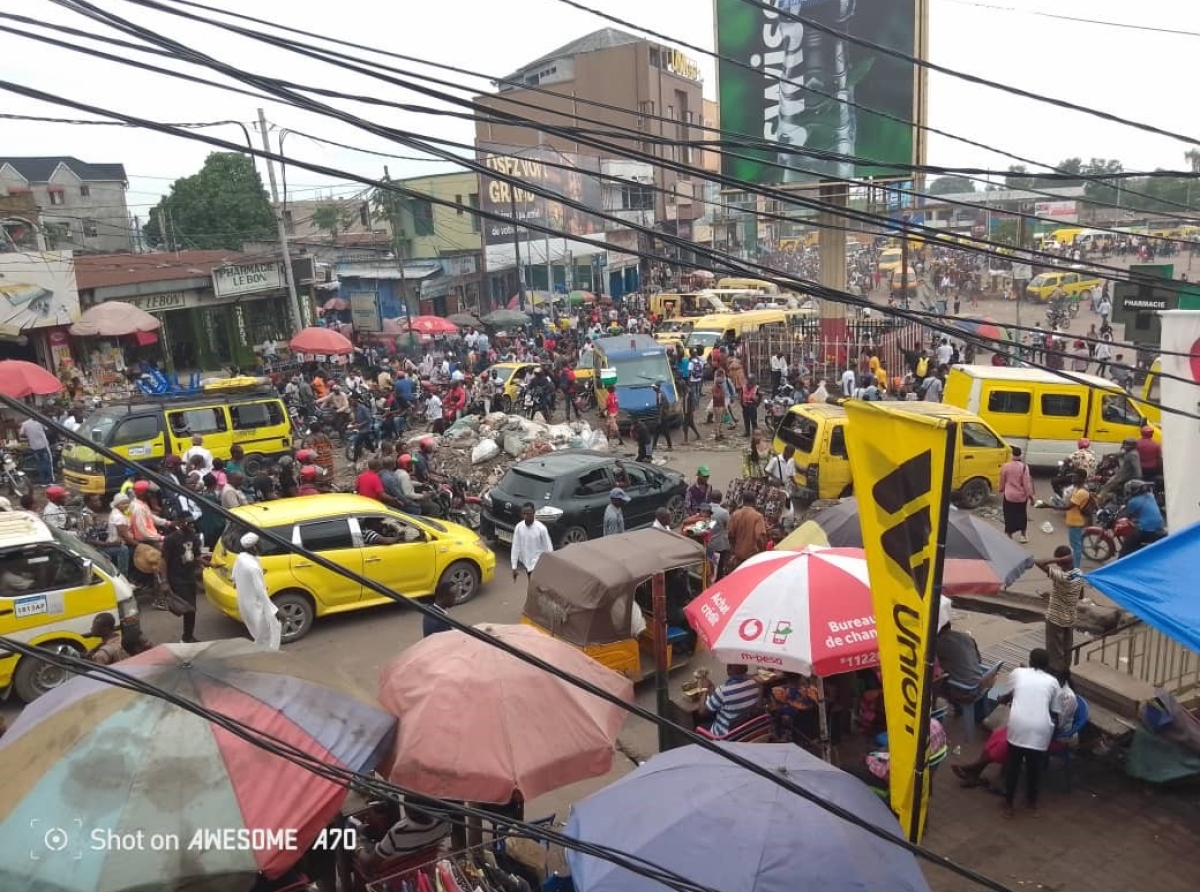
171,484
1131,26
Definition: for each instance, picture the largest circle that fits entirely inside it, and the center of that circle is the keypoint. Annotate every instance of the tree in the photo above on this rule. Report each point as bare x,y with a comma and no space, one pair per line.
1018,178
1097,189
223,205
950,185
330,218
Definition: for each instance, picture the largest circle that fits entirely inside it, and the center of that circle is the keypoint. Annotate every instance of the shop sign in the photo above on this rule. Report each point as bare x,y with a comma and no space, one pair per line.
160,303
678,63
364,311
248,278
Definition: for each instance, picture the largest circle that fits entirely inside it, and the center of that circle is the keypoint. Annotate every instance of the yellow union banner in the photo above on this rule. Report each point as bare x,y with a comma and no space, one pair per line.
902,464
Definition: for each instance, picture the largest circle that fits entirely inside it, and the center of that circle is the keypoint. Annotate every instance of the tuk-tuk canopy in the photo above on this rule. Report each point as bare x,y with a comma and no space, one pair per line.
583,594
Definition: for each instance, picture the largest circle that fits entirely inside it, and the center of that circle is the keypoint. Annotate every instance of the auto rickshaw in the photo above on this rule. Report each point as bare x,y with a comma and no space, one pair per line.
585,595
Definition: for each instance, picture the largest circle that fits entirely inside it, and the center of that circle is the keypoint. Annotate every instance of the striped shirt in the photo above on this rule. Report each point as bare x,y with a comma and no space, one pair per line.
736,696
1065,591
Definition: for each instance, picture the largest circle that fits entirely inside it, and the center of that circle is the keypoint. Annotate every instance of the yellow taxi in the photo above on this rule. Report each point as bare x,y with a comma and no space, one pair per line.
890,260
514,374
417,553
1075,285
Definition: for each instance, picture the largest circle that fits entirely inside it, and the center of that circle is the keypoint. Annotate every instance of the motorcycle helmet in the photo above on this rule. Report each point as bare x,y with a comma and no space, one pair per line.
1147,431
141,487
286,461
1123,527
1083,443
305,456
404,462
55,493
1133,487
308,473
427,444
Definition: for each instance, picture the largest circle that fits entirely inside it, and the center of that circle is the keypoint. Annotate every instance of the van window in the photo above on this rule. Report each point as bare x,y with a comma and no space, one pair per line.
1013,402
207,420
248,416
1153,389
1060,405
39,568
799,431
978,436
1117,409
138,429
326,535
837,442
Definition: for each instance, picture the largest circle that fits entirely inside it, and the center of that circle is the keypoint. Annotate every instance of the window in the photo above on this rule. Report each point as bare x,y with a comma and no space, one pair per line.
232,539
248,416
458,211
593,483
326,535
473,201
422,212
85,191
1117,409
1154,391
38,568
799,431
978,436
89,228
1060,405
637,197
136,430
1012,402
837,442
637,477
187,422
57,197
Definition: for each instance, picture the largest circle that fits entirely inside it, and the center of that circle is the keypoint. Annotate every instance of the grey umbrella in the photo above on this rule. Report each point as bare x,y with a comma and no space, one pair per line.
506,318
464,319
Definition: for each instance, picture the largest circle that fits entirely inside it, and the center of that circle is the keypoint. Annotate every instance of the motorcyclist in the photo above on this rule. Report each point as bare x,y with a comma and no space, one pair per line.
1150,455
542,390
454,402
423,464
1143,511
410,498
362,424
1082,459
339,403
1129,469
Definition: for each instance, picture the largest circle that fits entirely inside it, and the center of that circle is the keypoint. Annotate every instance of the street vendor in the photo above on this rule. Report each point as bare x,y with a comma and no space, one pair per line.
738,698
391,830
699,493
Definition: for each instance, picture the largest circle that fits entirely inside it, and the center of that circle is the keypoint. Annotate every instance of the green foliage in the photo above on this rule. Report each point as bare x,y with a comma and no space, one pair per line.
223,205
331,218
950,185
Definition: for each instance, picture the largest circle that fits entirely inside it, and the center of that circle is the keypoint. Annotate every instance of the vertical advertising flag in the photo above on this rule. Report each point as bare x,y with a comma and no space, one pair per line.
1180,389
902,465
804,88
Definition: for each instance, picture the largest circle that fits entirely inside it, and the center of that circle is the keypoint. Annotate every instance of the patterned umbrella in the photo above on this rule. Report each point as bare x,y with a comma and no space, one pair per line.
983,328
90,758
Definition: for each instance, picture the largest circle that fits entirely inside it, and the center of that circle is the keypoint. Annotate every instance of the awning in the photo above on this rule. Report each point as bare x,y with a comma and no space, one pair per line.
443,286
145,338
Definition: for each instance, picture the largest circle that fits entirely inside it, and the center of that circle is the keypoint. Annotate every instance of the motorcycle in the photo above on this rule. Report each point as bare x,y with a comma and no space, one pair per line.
777,409
369,438
1106,535
451,501
13,477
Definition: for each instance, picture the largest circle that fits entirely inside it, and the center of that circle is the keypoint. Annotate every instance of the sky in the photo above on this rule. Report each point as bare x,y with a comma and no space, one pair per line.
1143,75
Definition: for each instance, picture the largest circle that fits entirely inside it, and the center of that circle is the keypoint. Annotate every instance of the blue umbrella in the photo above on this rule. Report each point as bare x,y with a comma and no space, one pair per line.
697,814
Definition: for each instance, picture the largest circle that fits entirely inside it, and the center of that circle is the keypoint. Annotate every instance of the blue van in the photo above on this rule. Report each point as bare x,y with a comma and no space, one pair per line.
640,362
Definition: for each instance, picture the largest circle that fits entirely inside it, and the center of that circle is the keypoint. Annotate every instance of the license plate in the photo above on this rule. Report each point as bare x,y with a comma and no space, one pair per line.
502,536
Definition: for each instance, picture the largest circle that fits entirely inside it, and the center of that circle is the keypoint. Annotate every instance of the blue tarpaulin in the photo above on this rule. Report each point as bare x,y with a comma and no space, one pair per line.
1151,584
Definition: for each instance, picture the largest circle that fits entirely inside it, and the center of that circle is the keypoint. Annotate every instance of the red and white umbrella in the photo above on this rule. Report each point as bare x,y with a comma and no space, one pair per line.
804,611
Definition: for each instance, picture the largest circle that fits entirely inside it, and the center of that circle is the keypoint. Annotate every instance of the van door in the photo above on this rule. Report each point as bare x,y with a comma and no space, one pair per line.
981,453
1007,407
210,422
1113,418
333,540
260,426
1060,418
835,462
140,437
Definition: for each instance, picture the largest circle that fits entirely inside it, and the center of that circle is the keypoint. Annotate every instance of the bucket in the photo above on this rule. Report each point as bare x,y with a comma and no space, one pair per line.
608,377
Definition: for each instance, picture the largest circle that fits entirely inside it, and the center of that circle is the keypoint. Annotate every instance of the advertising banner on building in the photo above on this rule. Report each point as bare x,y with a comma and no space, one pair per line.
901,463
37,290
1062,211
364,311
568,175
811,90
248,278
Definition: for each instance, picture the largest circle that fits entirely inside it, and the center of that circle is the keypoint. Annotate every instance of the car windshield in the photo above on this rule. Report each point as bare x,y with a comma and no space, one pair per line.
99,427
643,369
705,338
522,485
1038,281
78,547
427,521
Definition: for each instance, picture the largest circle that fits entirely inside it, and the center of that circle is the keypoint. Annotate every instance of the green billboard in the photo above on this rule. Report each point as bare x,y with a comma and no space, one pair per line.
791,84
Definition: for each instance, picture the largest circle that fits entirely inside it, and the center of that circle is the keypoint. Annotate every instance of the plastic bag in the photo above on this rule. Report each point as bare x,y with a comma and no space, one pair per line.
485,450
598,442
514,444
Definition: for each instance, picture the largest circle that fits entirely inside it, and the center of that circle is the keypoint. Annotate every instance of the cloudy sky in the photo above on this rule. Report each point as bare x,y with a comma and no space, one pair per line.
1130,69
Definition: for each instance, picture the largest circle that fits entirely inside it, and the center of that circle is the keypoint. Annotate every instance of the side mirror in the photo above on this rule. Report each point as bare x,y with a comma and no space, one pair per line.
86,563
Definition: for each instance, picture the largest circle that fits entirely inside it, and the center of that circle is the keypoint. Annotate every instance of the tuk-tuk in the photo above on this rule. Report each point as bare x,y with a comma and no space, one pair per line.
585,595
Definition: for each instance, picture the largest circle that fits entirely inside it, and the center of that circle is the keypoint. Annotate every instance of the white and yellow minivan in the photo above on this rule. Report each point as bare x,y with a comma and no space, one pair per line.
51,587
727,327
1044,413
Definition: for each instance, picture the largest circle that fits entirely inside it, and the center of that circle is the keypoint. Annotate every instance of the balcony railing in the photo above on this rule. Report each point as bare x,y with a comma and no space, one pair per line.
1147,654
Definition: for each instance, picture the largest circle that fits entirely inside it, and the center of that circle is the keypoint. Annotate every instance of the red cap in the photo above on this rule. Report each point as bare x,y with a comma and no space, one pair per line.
308,472
55,493
141,487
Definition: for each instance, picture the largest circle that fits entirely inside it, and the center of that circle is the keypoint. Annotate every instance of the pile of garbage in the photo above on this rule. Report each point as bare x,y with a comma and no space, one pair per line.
483,448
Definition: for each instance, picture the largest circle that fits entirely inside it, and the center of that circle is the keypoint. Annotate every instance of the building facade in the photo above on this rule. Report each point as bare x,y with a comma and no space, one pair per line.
637,79
82,205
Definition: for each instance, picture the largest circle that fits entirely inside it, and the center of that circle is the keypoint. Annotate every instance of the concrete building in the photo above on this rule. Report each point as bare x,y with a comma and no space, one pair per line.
82,205
635,78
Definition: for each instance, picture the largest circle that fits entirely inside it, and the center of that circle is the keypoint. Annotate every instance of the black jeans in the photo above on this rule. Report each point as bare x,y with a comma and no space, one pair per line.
1033,761
663,430
689,423
750,417
186,590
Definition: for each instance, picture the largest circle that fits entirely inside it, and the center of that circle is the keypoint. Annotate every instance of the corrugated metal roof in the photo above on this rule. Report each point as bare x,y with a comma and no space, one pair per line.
39,169
112,270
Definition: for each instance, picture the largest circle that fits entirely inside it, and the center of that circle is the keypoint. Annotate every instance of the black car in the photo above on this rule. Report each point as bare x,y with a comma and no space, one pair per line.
570,492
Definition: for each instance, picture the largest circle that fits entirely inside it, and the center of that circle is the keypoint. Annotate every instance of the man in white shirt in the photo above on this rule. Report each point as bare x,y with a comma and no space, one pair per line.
944,352
32,432
433,409
198,449
530,541
781,469
849,383
1036,700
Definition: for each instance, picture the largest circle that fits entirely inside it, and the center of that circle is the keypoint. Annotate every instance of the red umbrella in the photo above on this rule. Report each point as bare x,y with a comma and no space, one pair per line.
335,303
321,341
431,325
20,379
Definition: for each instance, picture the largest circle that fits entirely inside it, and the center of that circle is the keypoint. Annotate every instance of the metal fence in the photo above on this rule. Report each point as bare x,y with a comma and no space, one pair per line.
1147,654
827,358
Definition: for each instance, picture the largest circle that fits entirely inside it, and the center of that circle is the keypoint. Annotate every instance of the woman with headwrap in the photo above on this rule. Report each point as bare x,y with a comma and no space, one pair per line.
254,604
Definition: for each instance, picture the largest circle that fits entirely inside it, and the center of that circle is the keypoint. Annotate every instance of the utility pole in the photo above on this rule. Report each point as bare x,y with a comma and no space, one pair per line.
281,227
549,275
512,200
396,219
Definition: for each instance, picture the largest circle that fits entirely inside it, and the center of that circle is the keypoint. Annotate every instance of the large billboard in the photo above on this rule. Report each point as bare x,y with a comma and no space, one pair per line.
37,290
804,80
569,175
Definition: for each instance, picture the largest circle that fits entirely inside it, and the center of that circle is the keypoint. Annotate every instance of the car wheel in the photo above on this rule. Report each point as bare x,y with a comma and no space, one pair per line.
296,613
572,535
675,506
253,464
974,493
35,677
463,576
1097,547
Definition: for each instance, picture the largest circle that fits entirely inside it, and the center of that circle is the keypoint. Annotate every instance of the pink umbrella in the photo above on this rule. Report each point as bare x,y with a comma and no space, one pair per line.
336,304
321,342
21,379
114,319
431,325
525,730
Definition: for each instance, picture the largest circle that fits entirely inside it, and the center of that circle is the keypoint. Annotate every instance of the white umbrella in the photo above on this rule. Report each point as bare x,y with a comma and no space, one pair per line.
114,319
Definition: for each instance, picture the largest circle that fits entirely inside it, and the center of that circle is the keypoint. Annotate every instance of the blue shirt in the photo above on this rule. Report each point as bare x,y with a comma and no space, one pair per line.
735,697
404,388
1143,510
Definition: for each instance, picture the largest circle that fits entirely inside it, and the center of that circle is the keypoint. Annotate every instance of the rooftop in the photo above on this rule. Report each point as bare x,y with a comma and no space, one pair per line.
112,270
604,39
39,169
1034,376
